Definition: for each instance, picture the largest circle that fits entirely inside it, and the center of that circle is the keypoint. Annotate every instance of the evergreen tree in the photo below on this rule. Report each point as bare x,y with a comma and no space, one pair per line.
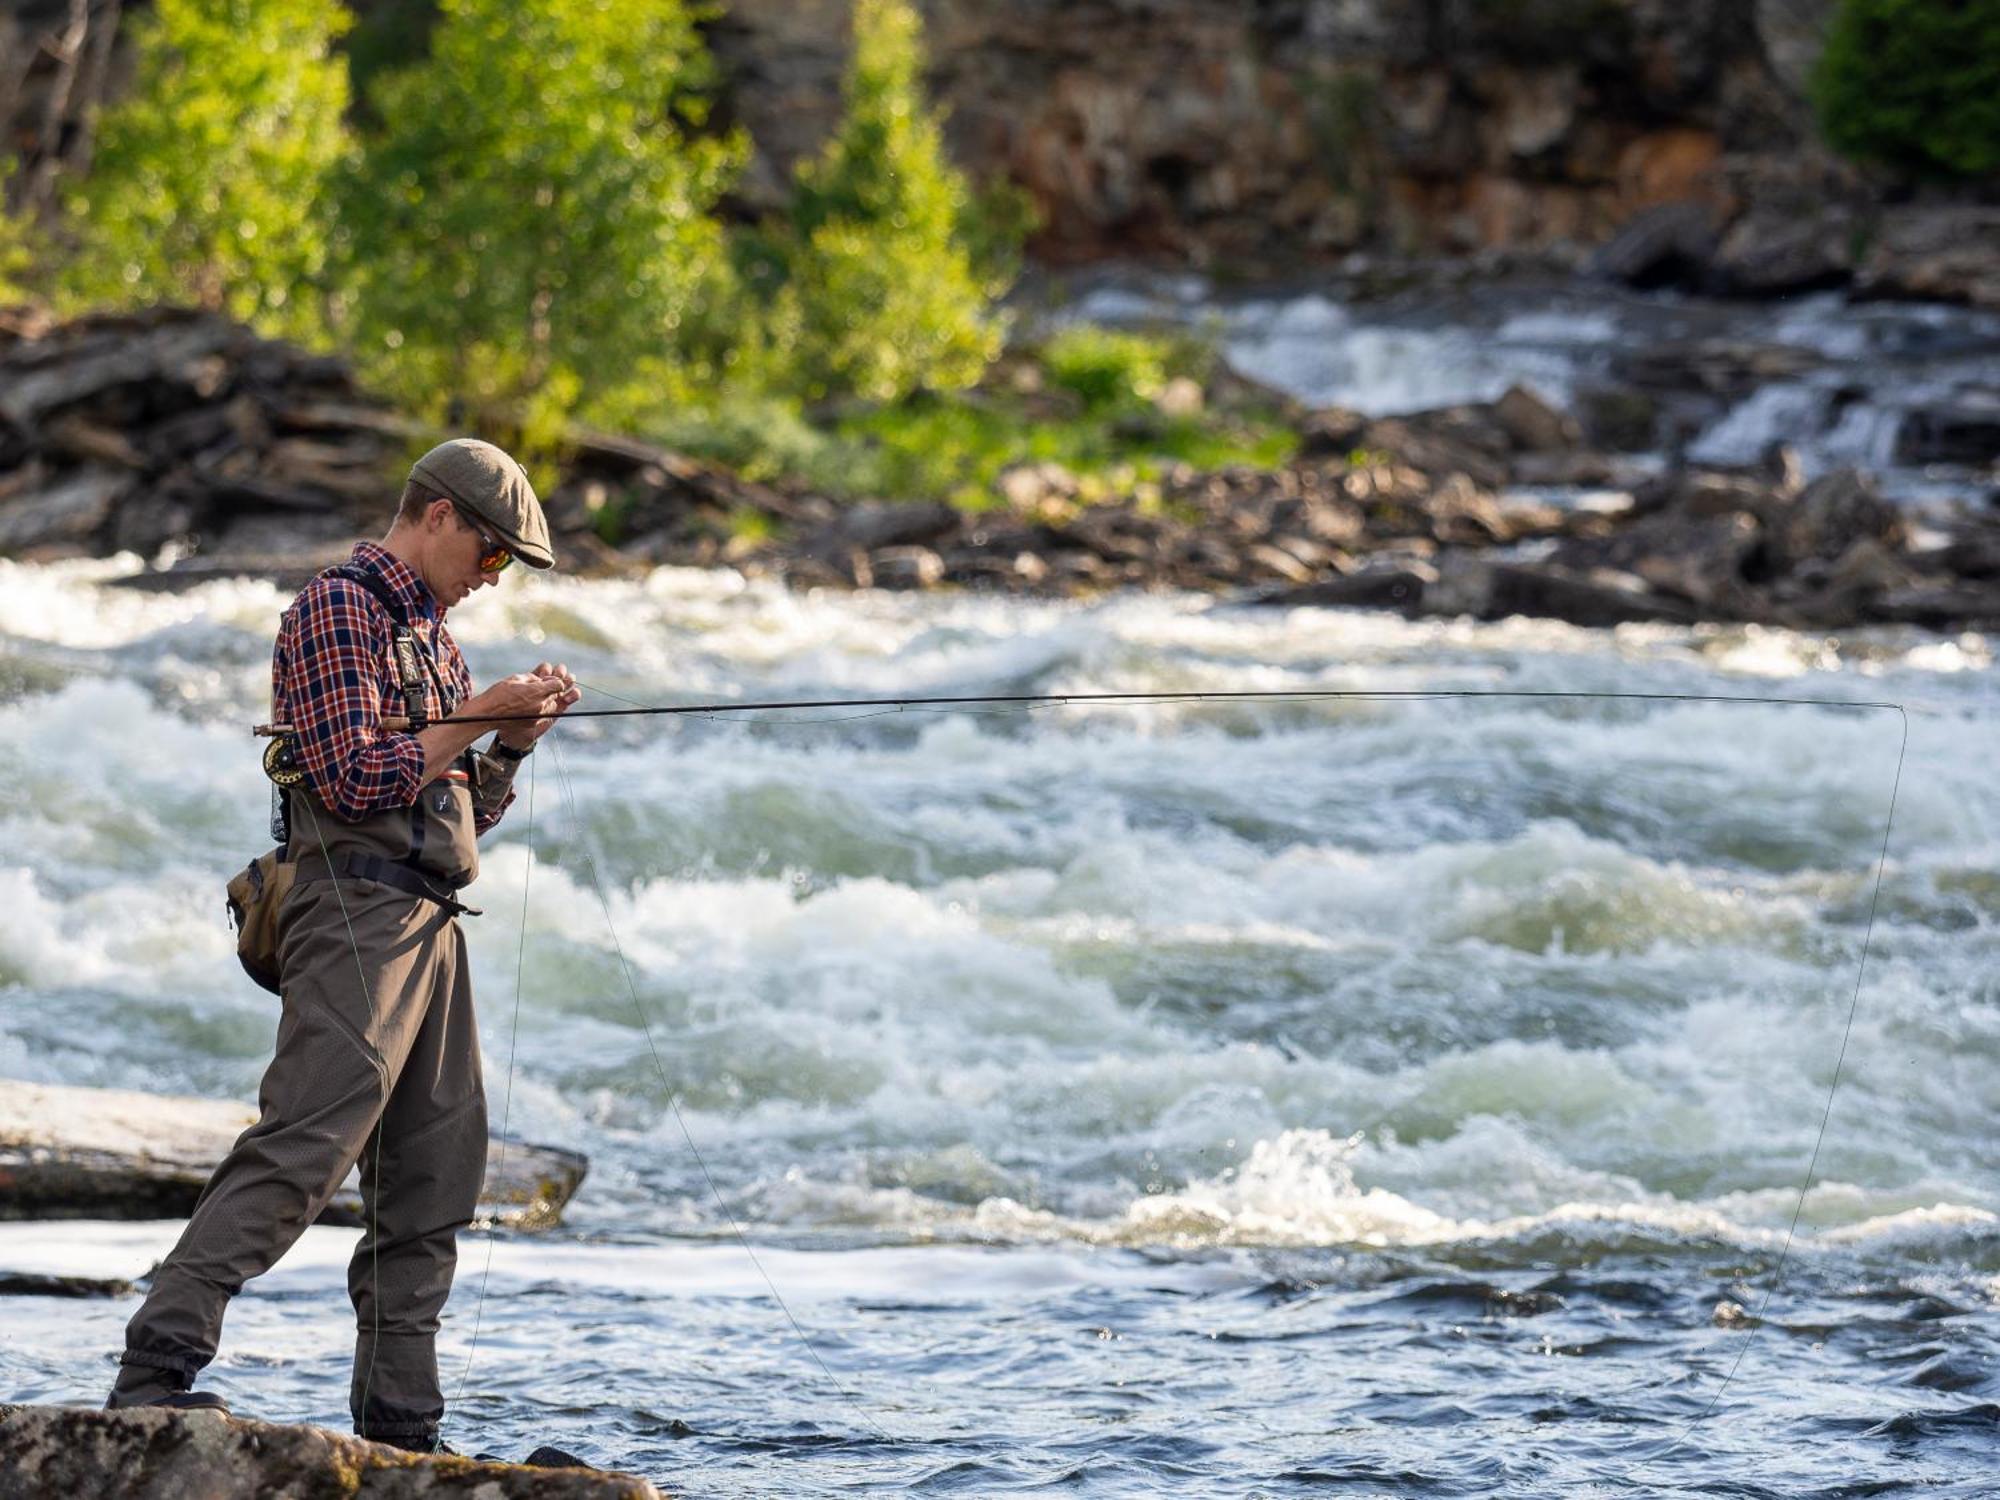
1914,84
882,295
533,223
208,182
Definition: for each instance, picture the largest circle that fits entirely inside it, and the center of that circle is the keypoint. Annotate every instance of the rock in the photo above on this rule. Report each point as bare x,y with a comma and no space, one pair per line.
1833,513
1027,487
1330,432
69,1153
1180,397
1774,251
1576,470
906,567
1456,440
1598,600
873,525
151,1454
1941,607
1619,418
67,514
1949,253
1534,425
35,1284
1393,586
1967,433
1670,244
1462,514
1269,559
1722,367
1702,492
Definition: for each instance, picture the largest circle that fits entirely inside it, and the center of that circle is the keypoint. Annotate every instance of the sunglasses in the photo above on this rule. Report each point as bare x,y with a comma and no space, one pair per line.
494,556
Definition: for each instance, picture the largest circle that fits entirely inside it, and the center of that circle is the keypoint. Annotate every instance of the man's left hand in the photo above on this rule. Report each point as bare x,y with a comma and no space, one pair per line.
523,736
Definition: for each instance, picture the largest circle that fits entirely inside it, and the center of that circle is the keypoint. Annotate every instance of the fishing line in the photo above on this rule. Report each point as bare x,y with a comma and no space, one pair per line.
507,1107
1812,1165
373,1200
673,1100
1033,702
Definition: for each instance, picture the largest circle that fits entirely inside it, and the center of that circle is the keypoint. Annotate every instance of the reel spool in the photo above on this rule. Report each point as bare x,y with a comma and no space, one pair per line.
279,763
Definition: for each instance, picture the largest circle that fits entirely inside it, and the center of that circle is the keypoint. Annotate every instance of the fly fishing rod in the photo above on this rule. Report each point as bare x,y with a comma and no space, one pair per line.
399,723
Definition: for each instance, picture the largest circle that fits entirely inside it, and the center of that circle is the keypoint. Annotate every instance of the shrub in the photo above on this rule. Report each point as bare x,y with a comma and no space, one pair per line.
1104,368
17,247
534,221
208,182
881,294
1914,85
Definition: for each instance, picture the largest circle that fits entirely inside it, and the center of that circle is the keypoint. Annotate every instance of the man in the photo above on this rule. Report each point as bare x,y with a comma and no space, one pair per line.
377,1056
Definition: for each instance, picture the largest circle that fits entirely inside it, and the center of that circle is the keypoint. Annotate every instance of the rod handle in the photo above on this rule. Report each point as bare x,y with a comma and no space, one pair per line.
396,722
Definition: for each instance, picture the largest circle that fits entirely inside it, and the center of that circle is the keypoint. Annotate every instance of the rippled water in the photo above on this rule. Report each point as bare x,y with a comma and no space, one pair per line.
1397,1097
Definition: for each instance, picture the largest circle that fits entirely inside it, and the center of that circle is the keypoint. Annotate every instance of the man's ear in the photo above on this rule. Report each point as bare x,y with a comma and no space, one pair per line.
436,514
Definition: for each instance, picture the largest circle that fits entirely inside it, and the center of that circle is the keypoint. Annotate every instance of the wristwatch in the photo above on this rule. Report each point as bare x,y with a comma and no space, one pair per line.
508,752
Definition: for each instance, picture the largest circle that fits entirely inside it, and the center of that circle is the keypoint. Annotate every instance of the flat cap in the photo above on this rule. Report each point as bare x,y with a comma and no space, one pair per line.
484,480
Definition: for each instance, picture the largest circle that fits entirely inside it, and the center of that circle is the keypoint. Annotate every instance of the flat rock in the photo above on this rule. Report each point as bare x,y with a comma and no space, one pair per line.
167,1455
69,1153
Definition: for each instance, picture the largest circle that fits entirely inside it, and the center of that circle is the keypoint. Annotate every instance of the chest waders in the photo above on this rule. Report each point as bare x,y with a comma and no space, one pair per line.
376,1063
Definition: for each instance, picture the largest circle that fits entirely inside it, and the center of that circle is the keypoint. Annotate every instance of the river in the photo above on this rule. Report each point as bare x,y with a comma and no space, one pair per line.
1390,1096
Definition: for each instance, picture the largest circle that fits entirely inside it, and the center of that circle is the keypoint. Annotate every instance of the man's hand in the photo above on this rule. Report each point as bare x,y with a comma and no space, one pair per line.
545,692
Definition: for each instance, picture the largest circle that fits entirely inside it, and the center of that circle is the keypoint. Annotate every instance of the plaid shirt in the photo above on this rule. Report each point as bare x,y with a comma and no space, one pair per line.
333,675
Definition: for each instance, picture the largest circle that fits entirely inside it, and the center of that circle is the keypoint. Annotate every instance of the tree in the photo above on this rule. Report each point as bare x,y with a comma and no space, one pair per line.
1914,84
208,184
882,296
533,222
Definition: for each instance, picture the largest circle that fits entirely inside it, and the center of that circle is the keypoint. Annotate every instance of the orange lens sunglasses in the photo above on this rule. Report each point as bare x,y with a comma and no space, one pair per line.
495,557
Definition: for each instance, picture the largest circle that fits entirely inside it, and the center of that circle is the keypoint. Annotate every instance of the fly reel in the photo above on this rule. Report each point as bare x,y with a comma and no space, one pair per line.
280,764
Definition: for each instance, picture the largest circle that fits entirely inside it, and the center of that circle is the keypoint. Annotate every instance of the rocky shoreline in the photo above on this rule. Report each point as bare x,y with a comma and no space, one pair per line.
190,441
164,1455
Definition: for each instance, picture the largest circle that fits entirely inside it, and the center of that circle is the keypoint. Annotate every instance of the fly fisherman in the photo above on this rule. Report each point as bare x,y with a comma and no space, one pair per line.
377,1055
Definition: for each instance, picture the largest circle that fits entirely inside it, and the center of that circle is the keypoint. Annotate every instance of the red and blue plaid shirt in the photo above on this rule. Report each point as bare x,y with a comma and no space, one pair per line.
333,677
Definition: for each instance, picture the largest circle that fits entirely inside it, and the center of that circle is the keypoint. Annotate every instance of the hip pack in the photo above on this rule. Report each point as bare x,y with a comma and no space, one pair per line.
254,897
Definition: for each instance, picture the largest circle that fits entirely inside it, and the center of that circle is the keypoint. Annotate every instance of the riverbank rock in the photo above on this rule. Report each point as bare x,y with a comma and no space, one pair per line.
1947,253
166,1455
83,1153
258,480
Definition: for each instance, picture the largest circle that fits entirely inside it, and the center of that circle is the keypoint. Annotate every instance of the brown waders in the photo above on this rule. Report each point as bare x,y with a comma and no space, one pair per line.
377,1061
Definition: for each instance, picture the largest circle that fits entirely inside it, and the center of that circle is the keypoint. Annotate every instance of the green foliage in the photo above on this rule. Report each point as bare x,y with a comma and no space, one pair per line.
208,181
1106,369
1913,84
533,227
18,247
882,296
953,448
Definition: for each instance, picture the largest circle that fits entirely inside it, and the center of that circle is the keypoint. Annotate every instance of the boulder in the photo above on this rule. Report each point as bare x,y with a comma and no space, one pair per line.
149,1454
1830,515
1967,433
1669,244
1773,251
1534,424
1948,253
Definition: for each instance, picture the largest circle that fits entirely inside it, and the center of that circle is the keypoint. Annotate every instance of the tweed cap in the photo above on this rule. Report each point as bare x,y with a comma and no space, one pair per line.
484,480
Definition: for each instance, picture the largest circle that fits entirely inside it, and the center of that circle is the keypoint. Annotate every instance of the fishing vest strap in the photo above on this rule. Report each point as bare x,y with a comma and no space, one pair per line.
412,661
382,872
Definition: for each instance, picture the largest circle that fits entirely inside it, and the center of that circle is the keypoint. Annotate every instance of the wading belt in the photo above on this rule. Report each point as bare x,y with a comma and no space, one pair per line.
383,872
